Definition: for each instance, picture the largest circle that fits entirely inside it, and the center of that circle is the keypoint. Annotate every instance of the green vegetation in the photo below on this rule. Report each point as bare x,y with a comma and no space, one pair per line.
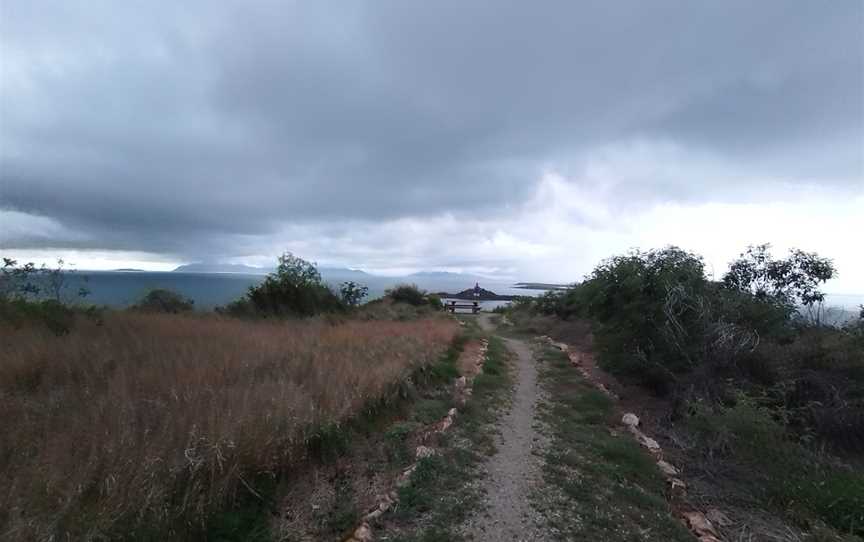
161,300
154,423
31,295
746,363
600,485
412,295
352,294
407,293
442,492
787,474
294,290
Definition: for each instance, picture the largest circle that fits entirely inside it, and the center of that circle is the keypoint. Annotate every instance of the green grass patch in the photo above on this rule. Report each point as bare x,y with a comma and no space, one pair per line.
441,493
429,411
601,486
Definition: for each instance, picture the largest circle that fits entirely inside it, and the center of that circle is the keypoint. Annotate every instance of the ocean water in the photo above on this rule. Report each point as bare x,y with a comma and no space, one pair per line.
208,290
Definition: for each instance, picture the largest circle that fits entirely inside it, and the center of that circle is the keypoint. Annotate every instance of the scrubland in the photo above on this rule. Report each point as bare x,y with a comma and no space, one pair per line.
759,400
143,424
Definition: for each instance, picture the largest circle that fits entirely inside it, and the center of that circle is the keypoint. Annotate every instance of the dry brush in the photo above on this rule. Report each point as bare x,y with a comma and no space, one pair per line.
160,419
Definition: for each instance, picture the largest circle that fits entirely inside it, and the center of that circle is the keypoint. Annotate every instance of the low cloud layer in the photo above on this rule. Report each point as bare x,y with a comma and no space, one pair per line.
417,134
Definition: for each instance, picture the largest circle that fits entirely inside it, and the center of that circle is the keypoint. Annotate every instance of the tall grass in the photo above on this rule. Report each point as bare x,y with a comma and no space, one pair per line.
157,420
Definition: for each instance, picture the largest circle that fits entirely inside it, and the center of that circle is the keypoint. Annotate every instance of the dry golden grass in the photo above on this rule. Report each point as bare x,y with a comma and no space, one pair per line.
160,418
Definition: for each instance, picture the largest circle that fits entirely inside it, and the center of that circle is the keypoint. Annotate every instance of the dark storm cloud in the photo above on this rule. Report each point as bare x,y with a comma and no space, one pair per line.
177,128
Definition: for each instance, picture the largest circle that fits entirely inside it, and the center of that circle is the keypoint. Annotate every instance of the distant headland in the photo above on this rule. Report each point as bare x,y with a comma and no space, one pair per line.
477,294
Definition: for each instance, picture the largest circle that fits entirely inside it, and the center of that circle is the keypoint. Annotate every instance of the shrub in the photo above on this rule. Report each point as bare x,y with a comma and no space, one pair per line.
295,289
352,294
649,309
55,316
162,300
407,293
792,477
658,319
435,302
746,430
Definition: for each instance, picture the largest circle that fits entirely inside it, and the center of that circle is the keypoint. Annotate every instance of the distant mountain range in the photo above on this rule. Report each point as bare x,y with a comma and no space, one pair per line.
437,274
251,270
222,268
424,279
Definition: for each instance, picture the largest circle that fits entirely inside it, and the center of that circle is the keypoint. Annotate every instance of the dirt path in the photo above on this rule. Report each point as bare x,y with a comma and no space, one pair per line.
515,469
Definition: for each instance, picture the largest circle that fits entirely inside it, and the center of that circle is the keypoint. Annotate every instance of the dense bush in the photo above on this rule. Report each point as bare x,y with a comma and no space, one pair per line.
790,475
161,300
758,377
650,312
295,289
407,293
659,319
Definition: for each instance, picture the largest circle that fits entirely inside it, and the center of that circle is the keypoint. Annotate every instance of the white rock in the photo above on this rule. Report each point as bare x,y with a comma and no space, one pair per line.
667,468
630,419
650,443
362,533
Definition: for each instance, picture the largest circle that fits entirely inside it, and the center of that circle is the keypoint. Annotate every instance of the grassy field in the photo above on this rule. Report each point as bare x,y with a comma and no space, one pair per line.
600,484
145,424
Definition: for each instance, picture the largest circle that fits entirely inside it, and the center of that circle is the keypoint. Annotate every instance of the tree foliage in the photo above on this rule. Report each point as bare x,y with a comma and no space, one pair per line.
407,293
294,289
29,282
352,293
40,294
794,279
657,316
162,300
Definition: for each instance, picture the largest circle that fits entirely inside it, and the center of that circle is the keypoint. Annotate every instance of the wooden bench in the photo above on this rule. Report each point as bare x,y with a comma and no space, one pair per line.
474,306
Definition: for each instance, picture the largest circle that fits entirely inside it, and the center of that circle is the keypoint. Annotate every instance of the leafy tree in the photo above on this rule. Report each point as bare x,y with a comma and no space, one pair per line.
352,293
795,279
37,294
27,281
161,300
295,289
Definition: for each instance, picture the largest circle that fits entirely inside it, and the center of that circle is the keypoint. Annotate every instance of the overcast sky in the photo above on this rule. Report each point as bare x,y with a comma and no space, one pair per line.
514,138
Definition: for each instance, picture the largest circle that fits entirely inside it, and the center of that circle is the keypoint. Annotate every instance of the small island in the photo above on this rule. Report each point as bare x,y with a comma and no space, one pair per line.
477,294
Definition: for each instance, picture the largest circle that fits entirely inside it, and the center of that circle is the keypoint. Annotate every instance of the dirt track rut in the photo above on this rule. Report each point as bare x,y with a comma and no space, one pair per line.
515,469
